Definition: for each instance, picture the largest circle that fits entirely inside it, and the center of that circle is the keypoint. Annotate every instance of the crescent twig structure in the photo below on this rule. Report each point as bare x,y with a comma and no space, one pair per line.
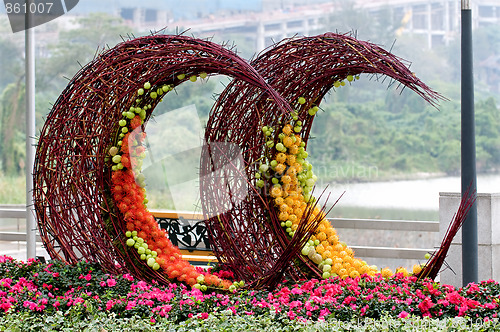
305,67
76,218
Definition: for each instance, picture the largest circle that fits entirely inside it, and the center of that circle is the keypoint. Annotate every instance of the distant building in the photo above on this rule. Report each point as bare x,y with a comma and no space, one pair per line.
267,21
437,20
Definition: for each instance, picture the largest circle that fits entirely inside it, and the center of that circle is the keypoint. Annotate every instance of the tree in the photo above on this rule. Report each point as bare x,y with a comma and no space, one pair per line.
77,47
12,150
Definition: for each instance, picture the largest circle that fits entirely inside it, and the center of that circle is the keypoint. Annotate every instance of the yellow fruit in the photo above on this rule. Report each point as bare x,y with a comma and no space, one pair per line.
279,201
283,207
287,129
417,268
280,168
286,179
292,171
338,247
321,236
354,274
276,192
402,270
326,254
330,231
281,157
333,239
283,216
287,141
290,160
357,264
337,267
364,269
386,272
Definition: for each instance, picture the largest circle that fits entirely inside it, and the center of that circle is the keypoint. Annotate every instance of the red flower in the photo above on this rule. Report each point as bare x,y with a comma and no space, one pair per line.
425,305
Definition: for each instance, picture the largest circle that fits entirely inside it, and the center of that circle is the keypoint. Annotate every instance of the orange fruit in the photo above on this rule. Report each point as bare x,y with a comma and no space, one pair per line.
321,236
281,157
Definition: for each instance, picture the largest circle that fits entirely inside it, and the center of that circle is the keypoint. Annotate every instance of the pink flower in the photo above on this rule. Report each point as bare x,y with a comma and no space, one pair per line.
324,312
32,306
203,315
491,305
473,289
295,304
86,277
130,305
425,305
403,314
111,282
443,302
128,277
4,259
110,304
454,297
308,306
463,309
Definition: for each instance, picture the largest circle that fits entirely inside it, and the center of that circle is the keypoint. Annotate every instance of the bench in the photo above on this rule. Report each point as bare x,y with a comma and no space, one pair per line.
187,231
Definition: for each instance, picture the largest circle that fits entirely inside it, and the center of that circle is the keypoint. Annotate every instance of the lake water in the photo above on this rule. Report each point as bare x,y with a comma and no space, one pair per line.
420,194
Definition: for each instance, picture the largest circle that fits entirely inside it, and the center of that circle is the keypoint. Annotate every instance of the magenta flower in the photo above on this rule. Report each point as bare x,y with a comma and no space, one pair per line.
131,305
111,282
203,315
403,314
128,277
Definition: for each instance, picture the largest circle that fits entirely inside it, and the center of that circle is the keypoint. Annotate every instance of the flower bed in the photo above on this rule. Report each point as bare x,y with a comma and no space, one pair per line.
33,290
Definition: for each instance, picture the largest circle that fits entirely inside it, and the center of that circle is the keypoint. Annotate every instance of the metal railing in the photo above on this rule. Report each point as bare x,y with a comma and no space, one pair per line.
187,231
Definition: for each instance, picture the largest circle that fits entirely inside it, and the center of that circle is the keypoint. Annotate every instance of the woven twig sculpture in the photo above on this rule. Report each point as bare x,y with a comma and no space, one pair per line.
297,68
72,177
89,205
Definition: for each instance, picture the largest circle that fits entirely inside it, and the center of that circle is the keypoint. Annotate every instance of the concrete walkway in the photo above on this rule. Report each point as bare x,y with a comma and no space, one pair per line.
17,250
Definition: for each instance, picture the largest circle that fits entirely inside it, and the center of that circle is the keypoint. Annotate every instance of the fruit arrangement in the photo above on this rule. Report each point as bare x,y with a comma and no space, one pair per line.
289,179
149,242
